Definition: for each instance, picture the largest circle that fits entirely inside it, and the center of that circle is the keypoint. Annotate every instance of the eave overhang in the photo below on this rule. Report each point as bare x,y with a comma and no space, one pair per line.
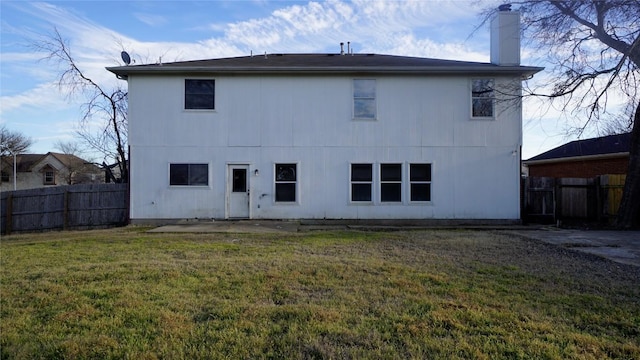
525,71
577,158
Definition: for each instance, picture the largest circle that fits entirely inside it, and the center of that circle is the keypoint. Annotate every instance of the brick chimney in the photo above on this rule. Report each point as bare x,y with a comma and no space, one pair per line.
505,36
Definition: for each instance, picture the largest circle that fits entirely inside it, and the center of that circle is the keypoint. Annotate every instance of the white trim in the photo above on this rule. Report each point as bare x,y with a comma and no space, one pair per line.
372,182
297,184
409,182
184,95
353,101
493,99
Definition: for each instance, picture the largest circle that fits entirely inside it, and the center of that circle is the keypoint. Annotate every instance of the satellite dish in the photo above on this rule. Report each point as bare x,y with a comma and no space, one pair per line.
125,57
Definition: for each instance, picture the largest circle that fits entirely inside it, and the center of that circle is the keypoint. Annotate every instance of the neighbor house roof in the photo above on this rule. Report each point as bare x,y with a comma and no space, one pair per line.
324,64
606,146
25,162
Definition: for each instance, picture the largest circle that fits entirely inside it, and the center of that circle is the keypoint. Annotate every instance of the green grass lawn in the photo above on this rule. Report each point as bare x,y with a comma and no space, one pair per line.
434,294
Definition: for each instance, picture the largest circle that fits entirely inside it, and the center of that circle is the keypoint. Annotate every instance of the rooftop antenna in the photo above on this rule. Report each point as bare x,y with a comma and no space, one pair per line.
125,57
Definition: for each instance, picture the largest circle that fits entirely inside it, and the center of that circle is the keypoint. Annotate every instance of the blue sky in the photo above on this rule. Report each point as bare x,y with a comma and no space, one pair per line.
97,31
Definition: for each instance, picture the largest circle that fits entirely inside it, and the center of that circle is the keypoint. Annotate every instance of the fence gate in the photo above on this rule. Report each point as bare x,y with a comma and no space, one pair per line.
546,200
540,202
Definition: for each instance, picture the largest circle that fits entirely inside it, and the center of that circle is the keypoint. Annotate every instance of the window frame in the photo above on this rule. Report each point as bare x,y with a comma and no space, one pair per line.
373,98
52,180
276,182
382,182
188,175
353,182
420,182
185,94
491,98
5,176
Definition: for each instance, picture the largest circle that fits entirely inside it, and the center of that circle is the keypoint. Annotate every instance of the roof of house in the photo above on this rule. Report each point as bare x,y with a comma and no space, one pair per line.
25,162
324,63
605,145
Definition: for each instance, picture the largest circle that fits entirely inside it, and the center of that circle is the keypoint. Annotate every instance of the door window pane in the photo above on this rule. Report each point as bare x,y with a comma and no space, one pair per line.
239,180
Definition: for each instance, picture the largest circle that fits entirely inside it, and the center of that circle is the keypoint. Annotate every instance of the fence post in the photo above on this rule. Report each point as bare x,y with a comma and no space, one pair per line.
599,212
65,211
9,220
557,197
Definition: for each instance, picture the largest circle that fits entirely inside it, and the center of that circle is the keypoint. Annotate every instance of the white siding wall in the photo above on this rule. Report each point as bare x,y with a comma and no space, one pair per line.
264,120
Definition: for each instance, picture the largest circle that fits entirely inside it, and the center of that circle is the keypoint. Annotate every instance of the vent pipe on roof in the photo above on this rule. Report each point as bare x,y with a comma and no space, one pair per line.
341,48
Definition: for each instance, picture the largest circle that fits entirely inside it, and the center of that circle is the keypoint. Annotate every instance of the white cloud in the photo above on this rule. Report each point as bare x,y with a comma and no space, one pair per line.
45,95
151,19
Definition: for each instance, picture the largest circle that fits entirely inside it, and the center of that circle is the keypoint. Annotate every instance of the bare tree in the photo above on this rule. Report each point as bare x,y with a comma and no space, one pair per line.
13,142
593,54
78,169
108,106
68,147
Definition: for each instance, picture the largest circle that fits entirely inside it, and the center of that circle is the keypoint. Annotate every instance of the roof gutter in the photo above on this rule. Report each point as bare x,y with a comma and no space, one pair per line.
122,72
576,158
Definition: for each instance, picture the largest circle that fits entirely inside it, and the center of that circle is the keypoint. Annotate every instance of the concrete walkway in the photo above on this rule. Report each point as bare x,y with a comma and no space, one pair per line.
229,226
619,246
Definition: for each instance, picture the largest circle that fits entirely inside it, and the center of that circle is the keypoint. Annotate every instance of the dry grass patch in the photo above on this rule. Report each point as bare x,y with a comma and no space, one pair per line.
425,294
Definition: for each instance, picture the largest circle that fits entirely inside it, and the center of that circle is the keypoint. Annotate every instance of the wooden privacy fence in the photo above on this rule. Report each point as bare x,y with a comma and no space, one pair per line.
64,207
573,199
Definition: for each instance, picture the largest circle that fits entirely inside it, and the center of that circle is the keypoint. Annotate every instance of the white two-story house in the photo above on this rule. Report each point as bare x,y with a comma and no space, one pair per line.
328,136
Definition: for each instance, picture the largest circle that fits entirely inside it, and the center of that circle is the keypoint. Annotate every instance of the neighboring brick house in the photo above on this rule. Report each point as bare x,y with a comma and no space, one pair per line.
583,158
50,169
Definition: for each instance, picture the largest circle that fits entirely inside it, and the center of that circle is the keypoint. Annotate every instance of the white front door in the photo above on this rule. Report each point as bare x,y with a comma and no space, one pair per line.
238,191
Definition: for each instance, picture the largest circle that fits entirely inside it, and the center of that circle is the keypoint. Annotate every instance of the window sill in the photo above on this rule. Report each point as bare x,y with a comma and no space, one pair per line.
200,110
482,118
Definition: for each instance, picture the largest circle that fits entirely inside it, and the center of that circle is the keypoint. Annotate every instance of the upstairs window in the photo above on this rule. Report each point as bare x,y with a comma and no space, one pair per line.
286,180
361,182
482,98
199,94
188,174
420,182
391,182
364,99
49,177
